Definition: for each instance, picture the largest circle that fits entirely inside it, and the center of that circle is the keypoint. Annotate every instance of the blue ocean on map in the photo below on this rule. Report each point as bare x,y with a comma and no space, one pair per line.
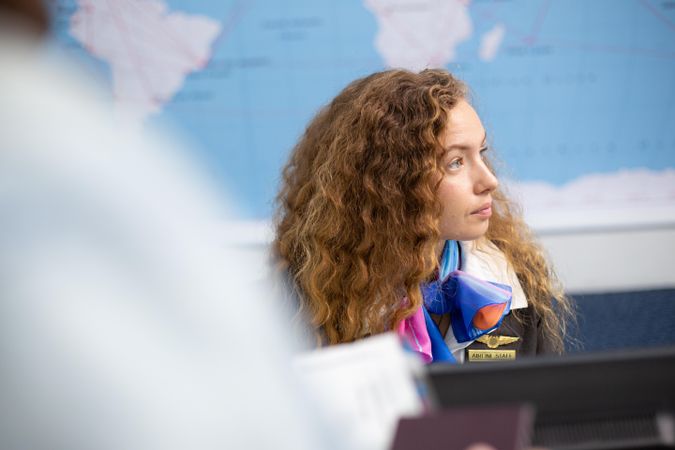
573,88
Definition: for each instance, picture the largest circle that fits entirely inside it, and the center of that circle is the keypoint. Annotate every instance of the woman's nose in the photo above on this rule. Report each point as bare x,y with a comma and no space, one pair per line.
486,180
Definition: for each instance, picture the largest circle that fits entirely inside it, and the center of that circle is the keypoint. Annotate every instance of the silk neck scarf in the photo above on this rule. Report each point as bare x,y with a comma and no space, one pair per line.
476,307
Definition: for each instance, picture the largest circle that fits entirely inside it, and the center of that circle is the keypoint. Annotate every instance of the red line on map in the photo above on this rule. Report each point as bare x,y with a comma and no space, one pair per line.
435,60
489,16
584,46
79,19
164,29
386,15
232,19
164,34
666,20
121,27
603,48
538,23
88,9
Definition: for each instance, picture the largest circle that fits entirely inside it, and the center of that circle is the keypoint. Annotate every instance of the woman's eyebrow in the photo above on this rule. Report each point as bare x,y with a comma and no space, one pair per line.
465,147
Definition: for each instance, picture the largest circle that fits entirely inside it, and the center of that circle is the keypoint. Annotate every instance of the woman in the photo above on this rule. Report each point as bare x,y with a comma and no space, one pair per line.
387,194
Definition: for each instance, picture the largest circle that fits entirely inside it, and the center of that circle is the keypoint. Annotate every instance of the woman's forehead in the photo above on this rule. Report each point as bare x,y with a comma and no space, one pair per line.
463,127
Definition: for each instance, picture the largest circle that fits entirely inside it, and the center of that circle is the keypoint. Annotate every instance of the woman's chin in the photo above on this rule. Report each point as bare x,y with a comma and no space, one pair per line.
475,232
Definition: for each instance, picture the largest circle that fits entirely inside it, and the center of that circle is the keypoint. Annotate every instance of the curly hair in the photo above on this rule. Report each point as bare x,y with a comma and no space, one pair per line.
357,223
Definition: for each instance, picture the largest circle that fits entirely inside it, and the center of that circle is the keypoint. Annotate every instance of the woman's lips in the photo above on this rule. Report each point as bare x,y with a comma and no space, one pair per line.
484,211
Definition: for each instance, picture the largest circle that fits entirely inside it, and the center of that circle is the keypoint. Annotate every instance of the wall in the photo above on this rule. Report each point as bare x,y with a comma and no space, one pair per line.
593,261
614,260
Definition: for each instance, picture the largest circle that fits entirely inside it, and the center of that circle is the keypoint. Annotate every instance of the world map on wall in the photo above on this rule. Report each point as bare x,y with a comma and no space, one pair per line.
578,97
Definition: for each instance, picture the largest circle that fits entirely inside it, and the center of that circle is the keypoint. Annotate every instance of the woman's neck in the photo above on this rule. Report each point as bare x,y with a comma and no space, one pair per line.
439,250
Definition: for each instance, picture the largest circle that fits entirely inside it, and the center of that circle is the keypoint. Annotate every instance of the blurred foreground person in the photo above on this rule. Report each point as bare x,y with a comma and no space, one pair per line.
125,320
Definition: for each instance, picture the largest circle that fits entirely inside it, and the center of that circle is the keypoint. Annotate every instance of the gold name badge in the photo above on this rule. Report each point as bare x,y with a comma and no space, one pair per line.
491,355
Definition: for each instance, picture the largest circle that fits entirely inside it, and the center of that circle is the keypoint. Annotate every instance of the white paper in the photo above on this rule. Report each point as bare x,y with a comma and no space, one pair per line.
363,387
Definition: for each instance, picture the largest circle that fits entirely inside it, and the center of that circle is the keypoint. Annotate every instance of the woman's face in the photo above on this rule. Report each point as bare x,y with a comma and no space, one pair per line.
465,191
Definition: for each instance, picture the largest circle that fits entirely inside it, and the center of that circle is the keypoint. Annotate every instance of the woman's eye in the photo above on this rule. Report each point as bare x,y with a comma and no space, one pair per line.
455,164
483,152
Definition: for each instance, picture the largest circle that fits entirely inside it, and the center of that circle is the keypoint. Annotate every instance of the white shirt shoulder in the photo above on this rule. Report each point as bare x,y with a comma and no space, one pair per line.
482,259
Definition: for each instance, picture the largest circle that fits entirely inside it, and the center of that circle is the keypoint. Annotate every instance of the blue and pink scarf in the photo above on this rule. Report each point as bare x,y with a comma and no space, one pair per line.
476,307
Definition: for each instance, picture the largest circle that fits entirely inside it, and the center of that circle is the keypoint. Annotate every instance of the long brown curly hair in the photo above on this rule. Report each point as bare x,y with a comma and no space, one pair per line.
358,216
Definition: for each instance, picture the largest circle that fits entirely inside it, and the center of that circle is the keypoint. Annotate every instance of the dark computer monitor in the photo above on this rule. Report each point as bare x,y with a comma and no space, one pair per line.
582,401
